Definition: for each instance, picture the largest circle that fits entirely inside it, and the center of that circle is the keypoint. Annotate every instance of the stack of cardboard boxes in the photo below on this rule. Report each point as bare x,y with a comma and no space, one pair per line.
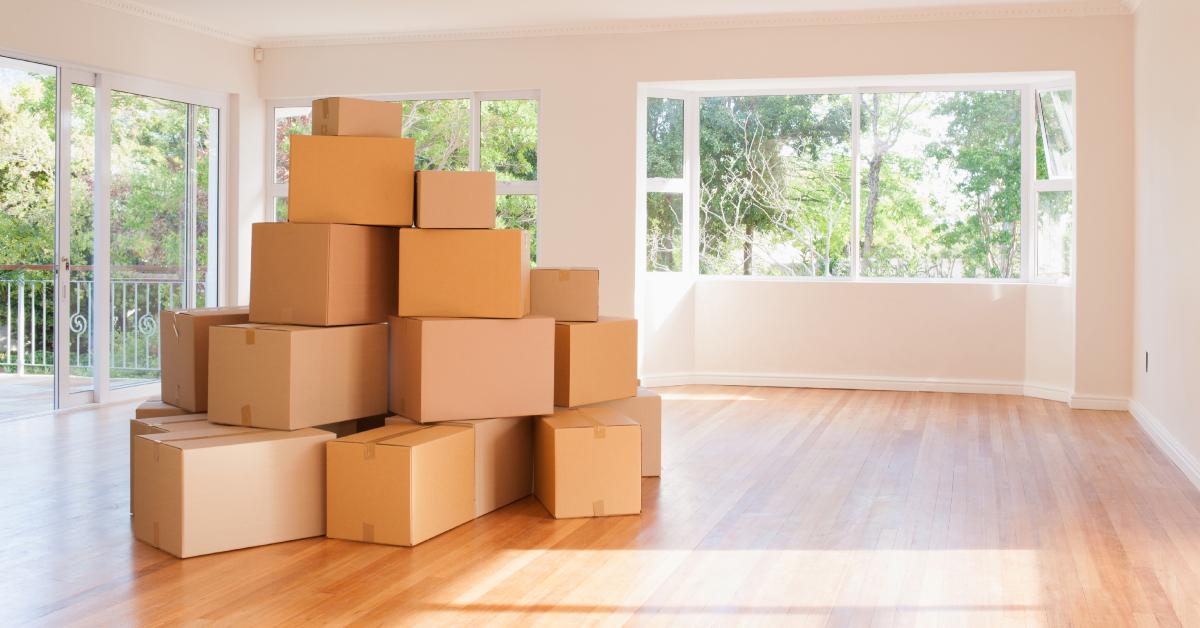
400,370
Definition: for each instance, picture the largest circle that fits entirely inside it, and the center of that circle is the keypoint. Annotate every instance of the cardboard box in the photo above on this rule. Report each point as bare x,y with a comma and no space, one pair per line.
470,273
355,116
455,200
400,484
183,352
204,492
322,274
503,461
287,377
448,369
595,361
159,424
154,408
351,180
567,294
646,409
587,463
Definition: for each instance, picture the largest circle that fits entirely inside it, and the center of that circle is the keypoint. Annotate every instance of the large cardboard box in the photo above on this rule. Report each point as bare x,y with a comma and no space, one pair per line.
471,273
159,424
204,492
154,408
448,369
567,294
595,361
287,377
352,180
183,352
355,116
447,199
400,484
587,463
503,461
322,274
646,409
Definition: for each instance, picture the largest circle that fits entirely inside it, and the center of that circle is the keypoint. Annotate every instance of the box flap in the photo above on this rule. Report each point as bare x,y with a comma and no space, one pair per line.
587,418
425,434
380,433
195,440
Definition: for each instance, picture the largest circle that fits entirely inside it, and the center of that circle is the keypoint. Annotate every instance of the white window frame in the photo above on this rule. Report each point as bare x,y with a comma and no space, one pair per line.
1030,186
1062,184
477,98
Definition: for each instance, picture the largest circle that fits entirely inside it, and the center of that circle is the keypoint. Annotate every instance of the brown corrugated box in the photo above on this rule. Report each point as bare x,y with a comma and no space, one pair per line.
322,274
472,273
148,422
154,408
400,484
595,361
503,461
204,492
646,409
587,463
567,294
351,180
183,352
447,369
356,116
288,377
447,199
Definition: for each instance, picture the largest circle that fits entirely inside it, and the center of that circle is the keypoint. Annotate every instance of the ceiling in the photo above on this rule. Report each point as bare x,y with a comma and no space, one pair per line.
262,21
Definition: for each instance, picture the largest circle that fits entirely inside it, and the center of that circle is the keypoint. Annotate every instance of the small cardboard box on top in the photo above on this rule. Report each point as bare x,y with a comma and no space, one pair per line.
224,488
447,199
288,377
567,294
400,484
351,180
595,362
646,409
467,273
322,274
587,463
449,369
183,352
356,116
503,461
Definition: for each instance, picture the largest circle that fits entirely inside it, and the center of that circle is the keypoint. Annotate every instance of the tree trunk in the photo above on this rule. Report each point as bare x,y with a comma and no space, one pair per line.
748,250
874,167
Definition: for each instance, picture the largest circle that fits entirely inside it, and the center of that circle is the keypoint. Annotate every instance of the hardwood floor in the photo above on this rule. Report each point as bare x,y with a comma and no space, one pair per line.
776,506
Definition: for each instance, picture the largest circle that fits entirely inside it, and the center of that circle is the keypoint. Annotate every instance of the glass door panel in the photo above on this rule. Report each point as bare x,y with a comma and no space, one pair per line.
81,276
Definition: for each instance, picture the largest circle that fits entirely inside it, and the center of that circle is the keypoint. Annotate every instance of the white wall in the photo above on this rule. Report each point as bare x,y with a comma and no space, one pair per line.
75,33
1167,305
588,174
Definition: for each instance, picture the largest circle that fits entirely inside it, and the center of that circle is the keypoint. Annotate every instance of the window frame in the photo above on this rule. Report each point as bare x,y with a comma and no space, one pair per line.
1030,185
276,191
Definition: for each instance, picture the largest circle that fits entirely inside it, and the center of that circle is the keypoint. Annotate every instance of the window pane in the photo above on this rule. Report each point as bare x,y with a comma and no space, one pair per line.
288,121
83,169
281,209
664,232
1055,219
207,127
941,185
664,138
1056,135
442,130
519,211
775,185
509,139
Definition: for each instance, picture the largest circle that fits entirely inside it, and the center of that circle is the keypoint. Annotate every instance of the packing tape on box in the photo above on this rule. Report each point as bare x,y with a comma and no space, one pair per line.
564,274
599,430
369,445
247,415
249,336
368,532
598,508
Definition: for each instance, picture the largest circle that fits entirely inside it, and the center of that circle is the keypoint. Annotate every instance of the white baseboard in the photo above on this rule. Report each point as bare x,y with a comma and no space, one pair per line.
1096,402
908,384
1166,442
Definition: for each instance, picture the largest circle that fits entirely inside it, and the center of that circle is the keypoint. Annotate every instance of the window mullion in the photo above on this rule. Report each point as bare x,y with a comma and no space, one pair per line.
1028,187
855,183
476,136
691,193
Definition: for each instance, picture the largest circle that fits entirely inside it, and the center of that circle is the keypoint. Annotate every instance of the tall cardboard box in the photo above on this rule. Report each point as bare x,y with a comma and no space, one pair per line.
587,463
213,492
449,199
567,294
351,180
183,352
448,369
322,274
356,116
470,273
400,484
155,408
287,377
503,461
646,409
595,361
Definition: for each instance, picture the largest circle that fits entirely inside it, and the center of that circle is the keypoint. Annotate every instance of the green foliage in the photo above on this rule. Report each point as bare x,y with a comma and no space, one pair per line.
664,138
441,130
509,139
519,211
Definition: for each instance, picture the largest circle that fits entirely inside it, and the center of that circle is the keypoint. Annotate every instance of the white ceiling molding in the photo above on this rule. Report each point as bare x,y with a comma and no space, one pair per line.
131,7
